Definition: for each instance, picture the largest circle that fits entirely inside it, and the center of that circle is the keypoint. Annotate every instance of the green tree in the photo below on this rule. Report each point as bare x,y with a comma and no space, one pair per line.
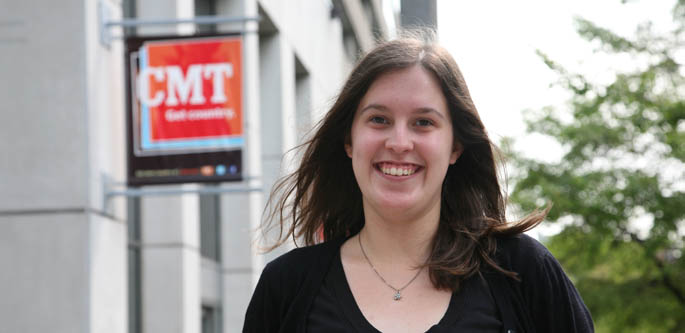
618,190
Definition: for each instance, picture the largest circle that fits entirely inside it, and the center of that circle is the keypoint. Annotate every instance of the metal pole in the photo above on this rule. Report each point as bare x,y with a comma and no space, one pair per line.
178,191
105,23
195,20
108,192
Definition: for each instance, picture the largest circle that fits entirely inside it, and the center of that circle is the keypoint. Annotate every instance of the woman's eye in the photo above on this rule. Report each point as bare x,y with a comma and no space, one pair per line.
424,122
378,120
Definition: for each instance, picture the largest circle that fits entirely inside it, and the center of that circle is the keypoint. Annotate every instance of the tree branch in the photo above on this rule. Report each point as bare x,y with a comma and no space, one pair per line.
666,280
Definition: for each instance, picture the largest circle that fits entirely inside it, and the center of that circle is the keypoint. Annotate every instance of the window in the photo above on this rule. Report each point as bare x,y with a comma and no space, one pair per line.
205,8
210,227
134,266
211,319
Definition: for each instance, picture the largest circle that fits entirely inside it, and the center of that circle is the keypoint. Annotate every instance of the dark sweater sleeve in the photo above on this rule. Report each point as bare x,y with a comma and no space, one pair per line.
553,301
263,314
286,288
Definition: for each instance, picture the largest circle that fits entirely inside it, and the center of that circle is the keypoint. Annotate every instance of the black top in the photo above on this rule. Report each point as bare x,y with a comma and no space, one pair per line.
542,300
334,309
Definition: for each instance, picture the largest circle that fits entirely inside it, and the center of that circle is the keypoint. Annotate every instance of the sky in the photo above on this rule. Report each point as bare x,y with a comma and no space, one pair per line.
495,43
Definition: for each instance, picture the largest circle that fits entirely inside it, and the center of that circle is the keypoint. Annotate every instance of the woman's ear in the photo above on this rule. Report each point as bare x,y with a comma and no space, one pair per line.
348,145
456,152
348,149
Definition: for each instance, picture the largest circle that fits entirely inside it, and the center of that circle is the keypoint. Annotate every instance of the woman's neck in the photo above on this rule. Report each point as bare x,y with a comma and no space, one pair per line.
404,241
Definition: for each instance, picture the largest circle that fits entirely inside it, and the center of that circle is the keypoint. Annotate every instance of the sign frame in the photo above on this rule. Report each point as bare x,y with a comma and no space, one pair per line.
206,165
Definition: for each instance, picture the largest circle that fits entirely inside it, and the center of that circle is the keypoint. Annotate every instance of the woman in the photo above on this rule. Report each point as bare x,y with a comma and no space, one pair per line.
398,188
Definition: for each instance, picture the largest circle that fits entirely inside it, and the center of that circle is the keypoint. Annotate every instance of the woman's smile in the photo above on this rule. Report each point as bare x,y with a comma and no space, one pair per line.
397,170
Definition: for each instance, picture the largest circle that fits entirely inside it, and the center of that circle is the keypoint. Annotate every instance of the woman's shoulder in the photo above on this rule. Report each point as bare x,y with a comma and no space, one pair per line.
300,260
520,247
552,302
520,242
287,282
526,256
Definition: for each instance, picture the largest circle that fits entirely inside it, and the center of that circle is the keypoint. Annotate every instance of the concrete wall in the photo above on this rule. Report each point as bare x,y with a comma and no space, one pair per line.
43,108
171,264
45,279
317,44
64,255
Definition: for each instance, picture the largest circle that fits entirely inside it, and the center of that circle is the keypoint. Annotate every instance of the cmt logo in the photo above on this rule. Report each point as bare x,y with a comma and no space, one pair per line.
188,87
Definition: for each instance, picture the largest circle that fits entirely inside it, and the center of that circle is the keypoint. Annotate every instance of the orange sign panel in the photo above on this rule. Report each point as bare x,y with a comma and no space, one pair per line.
189,95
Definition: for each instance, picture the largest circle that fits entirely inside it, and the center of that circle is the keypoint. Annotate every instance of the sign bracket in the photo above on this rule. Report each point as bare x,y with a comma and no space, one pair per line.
109,191
105,22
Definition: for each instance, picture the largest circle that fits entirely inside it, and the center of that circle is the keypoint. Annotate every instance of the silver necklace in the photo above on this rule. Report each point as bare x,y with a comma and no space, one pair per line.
398,291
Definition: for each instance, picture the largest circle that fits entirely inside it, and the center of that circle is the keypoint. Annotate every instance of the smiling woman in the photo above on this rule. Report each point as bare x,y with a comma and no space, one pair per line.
400,181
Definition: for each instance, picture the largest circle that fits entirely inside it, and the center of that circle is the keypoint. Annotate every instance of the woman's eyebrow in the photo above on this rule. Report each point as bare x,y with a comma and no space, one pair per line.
431,111
375,106
383,108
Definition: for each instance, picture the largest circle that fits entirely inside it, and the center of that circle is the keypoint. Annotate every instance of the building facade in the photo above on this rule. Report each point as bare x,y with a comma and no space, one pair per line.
81,252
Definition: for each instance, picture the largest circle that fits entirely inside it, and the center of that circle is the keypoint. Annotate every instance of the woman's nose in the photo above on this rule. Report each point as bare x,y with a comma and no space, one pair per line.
399,140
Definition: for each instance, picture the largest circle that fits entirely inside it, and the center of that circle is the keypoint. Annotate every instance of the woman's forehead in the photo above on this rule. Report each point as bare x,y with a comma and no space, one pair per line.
413,87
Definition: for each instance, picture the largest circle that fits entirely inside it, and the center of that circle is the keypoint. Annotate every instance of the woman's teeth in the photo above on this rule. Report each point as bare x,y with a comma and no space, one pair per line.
398,171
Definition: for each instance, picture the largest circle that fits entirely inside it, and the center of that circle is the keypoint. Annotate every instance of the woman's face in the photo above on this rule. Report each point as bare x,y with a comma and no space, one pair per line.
401,142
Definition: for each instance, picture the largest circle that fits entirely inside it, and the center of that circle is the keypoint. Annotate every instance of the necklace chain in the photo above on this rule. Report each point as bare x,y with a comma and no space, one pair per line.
398,291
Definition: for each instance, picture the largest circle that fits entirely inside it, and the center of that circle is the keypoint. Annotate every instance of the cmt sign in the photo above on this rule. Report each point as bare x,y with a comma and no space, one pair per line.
184,86
185,114
189,95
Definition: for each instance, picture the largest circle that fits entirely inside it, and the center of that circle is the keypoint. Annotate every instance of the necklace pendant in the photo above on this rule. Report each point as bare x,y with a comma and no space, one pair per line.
397,296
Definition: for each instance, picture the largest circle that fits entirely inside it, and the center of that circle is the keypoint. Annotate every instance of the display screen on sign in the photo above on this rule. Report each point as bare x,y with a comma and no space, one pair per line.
186,119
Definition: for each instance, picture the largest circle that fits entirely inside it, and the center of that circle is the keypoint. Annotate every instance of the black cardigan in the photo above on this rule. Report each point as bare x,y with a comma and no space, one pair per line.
544,300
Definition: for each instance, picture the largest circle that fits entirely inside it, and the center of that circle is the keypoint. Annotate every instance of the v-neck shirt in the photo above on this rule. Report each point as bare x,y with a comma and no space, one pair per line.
541,299
334,309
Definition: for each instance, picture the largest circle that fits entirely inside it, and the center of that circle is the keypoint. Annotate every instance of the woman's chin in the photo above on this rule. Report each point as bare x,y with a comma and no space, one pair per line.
397,204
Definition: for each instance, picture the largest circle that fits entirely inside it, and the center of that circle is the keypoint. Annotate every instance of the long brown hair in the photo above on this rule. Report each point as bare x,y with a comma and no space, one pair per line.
322,197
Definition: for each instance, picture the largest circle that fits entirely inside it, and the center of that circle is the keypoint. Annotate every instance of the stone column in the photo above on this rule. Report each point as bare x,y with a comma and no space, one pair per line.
63,255
241,213
171,264
170,251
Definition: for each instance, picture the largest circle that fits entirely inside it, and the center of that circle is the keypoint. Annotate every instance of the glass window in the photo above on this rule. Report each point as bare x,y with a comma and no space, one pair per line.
210,227
134,266
211,319
205,8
